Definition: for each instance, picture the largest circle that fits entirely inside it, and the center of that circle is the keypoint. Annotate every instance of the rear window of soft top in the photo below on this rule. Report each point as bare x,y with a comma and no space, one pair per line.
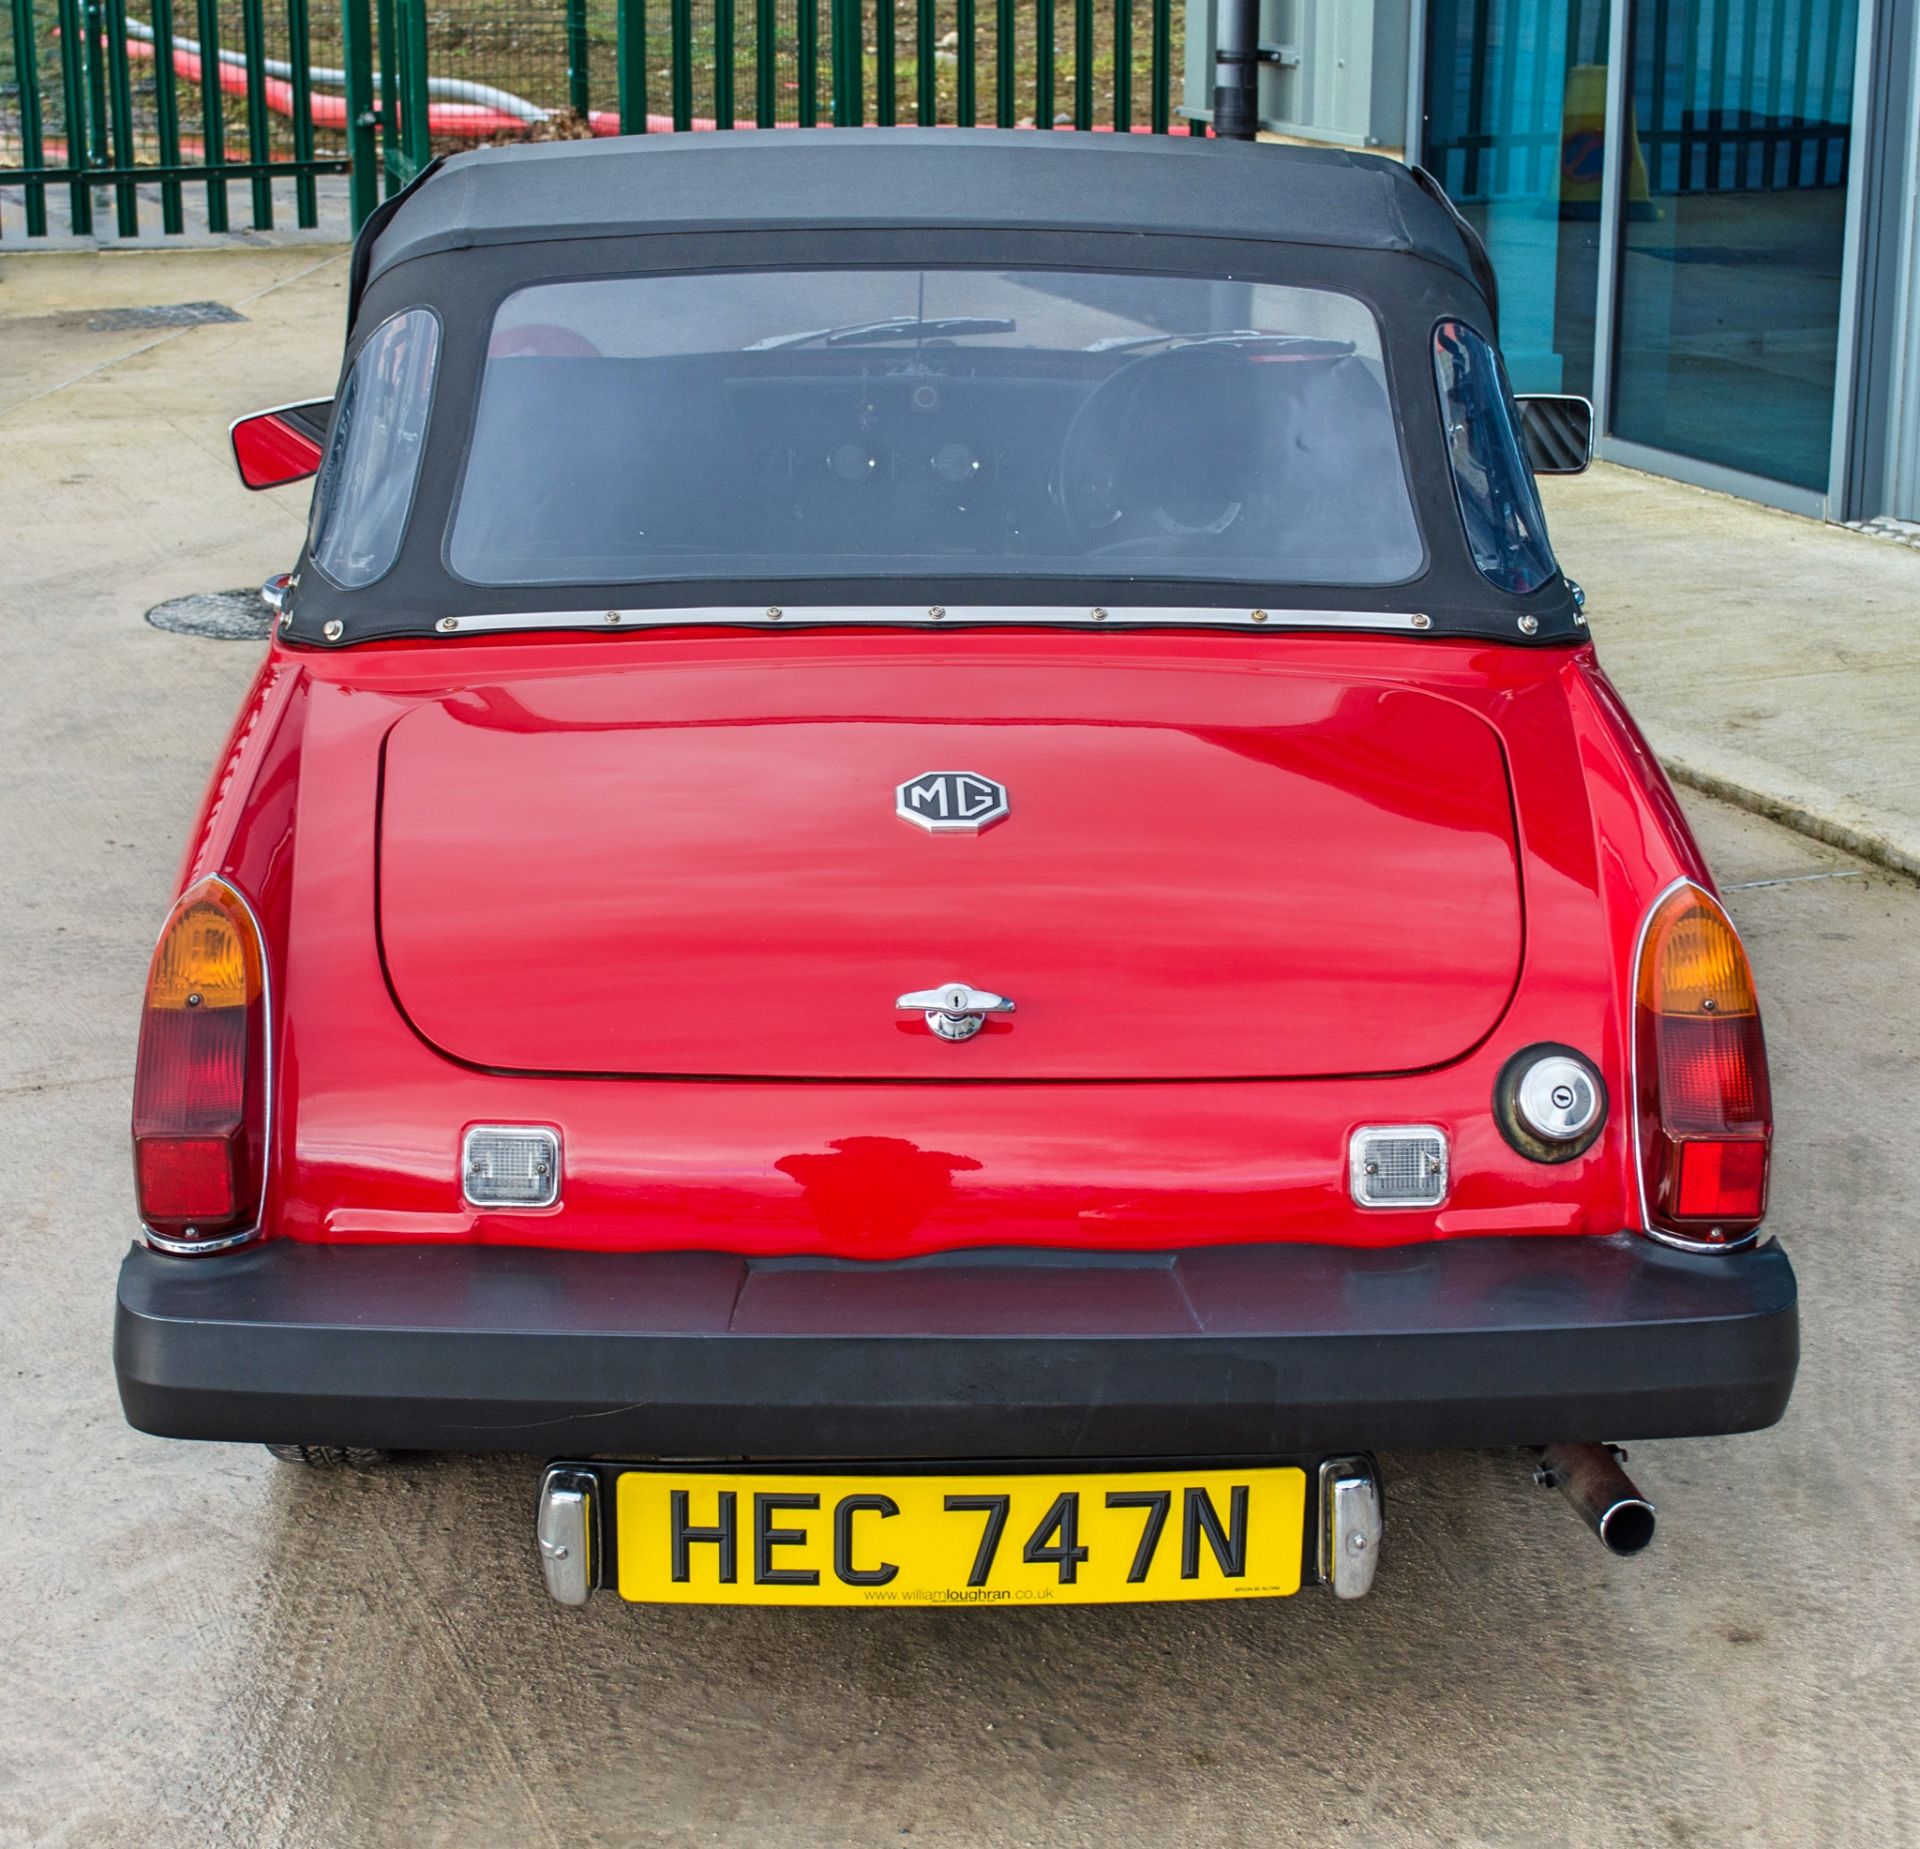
835,424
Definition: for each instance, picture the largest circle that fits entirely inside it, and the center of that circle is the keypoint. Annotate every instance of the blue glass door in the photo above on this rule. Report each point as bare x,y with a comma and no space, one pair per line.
1733,226
1516,94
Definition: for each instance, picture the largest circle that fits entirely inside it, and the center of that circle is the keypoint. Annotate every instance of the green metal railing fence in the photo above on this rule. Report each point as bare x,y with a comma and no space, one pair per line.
631,66
94,97
152,112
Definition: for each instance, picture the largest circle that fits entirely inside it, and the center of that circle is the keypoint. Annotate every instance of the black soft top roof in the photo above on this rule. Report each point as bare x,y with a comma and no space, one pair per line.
793,179
475,227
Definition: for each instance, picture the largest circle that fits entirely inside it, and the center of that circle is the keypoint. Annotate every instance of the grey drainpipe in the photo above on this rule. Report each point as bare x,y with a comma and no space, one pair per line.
1236,70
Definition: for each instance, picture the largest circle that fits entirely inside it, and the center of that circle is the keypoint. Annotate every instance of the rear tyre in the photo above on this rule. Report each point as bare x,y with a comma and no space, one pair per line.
330,1457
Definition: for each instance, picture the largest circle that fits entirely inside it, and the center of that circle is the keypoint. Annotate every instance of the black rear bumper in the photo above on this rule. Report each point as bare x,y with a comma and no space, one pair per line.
1243,1350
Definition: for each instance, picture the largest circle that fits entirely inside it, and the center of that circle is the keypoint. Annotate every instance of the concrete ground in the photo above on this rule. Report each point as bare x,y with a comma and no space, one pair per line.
1770,659
202,1647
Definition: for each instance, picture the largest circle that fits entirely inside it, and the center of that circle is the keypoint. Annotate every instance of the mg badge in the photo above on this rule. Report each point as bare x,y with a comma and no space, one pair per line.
951,802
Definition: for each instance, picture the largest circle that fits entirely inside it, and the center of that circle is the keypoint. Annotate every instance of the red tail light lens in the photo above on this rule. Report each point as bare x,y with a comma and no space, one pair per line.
200,1087
1706,1112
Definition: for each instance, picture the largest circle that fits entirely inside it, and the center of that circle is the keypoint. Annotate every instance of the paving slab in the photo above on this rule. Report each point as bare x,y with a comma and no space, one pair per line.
1770,659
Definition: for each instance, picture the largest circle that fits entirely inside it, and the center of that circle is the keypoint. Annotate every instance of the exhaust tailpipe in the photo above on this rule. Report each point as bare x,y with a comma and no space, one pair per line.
1590,1478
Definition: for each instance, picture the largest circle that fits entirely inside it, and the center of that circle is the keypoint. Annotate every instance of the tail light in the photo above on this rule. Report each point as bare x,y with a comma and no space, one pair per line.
200,1087
1706,1112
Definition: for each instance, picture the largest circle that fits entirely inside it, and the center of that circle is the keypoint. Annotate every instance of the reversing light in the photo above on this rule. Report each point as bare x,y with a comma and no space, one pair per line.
1397,1165
510,1165
200,1084
1706,1110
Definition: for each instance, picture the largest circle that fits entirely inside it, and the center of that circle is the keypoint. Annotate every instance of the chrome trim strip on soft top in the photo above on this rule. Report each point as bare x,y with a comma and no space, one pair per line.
946,615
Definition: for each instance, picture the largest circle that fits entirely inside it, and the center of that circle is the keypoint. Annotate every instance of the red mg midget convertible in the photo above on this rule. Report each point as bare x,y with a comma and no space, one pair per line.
930,874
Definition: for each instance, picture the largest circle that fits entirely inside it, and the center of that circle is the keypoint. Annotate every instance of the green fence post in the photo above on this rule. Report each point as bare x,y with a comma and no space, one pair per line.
33,150
1123,66
166,116
388,42
766,64
964,96
1083,64
723,106
1006,99
807,54
680,23
213,121
848,52
577,90
1043,64
630,54
926,94
120,87
253,36
837,106
836,35
857,58
73,85
886,94
99,144
363,140
306,202
416,131
1161,75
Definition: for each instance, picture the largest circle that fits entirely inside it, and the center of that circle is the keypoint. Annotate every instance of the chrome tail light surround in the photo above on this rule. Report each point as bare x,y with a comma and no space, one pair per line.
186,1243
1646,1113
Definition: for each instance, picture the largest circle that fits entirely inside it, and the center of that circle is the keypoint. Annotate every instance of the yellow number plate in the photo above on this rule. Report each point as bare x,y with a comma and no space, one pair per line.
815,1538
